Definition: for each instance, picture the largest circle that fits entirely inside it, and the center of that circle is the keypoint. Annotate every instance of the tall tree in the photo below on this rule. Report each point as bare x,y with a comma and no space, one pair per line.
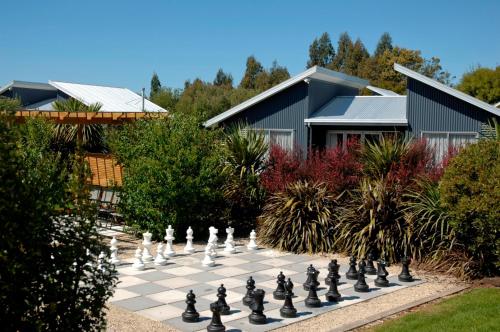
482,83
384,43
344,50
356,59
223,79
321,52
253,69
155,85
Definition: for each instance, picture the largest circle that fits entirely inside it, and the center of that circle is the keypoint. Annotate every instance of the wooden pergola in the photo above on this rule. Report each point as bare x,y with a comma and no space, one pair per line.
86,118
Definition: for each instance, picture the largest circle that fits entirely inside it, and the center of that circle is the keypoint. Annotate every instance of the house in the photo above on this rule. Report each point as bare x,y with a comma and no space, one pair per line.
40,96
322,108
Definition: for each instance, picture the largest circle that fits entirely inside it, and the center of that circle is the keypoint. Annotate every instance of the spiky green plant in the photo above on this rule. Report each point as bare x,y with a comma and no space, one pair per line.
379,157
92,134
370,219
298,219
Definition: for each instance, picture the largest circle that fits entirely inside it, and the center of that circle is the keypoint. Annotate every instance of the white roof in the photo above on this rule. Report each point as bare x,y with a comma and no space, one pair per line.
362,110
27,85
315,72
112,99
453,92
382,92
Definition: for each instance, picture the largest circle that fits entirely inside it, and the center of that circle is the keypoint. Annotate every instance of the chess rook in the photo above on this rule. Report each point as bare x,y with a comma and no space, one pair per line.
257,316
216,323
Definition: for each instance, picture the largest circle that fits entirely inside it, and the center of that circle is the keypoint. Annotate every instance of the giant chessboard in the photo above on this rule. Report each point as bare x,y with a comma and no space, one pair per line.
159,292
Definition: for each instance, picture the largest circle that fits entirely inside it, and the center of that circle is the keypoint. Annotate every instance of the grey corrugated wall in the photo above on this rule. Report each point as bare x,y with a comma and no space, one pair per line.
430,109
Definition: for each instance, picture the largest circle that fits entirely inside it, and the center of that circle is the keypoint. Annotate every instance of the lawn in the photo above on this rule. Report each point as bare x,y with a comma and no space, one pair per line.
477,310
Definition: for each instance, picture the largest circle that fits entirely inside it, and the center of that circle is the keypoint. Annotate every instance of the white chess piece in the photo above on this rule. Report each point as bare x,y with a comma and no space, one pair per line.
208,261
169,250
100,260
146,253
252,245
229,248
138,264
189,249
114,251
212,239
159,259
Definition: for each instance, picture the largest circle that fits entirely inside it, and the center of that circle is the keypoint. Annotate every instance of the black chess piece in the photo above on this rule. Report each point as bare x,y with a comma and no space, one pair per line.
248,298
288,310
331,271
405,273
279,293
361,285
370,268
352,274
190,315
312,278
333,294
312,300
382,274
221,300
289,285
215,324
257,316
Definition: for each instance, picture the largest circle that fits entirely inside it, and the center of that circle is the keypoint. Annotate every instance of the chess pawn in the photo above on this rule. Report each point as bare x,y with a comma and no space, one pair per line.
288,310
189,249
361,285
289,285
146,243
312,300
248,298
382,274
208,261
229,248
138,264
252,245
100,260
333,294
333,271
257,316
405,275
312,278
169,237
160,259
352,274
216,323
221,299
114,251
370,268
190,315
279,293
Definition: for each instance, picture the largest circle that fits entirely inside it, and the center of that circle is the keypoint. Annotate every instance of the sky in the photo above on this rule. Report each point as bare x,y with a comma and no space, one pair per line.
121,43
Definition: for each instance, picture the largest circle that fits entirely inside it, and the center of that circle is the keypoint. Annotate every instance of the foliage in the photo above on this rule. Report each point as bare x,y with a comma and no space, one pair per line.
155,85
491,129
384,44
475,310
344,49
298,219
171,174
92,134
482,83
245,153
253,69
321,52
223,79
282,168
166,98
470,191
47,279
8,105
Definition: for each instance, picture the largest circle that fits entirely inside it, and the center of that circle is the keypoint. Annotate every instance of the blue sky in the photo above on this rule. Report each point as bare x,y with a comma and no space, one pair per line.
121,43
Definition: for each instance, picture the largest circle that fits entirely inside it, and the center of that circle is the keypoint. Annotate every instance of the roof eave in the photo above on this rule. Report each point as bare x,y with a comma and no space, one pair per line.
363,122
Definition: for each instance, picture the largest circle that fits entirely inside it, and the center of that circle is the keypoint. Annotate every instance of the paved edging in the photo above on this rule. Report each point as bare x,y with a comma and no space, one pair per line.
381,315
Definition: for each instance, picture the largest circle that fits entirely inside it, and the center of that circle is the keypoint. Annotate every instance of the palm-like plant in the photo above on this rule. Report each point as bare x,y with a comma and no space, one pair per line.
298,219
379,157
91,134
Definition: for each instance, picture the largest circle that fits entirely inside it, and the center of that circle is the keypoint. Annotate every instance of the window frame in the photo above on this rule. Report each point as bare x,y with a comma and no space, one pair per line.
269,130
363,133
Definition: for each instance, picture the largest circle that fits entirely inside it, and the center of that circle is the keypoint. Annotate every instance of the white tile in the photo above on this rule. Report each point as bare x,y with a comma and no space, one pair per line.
161,312
231,261
122,294
169,296
176,282
275,262
129,270
127,281
275,271
183,271
230,271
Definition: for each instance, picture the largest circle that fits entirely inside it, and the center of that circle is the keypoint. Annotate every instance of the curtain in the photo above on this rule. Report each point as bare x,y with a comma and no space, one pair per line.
281,138
439,142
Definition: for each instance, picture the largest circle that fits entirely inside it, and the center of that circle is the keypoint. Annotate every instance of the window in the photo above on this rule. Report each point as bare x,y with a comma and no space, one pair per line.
441,141
335,138
282,137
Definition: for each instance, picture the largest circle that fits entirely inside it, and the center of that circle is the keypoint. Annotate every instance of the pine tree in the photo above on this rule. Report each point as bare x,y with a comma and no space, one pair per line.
356,58
253,69
344,50
321,52
277,74
155,85
223,79
384,43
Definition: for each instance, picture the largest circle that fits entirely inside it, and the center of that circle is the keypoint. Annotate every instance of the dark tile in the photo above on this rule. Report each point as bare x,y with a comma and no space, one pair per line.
137,303
146,289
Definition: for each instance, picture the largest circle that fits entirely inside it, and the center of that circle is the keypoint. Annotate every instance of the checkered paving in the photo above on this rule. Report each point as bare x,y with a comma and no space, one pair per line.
159,292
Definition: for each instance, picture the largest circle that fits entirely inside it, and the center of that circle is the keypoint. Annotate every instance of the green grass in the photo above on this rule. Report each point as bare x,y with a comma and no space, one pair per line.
477,310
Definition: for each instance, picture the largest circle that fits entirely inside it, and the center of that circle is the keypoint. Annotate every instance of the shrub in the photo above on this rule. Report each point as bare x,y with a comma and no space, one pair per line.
470,191
298,219
171,174
48,282
283,168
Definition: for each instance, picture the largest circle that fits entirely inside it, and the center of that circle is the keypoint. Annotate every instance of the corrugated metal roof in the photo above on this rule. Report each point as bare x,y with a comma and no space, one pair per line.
362,110
112,99
381,92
